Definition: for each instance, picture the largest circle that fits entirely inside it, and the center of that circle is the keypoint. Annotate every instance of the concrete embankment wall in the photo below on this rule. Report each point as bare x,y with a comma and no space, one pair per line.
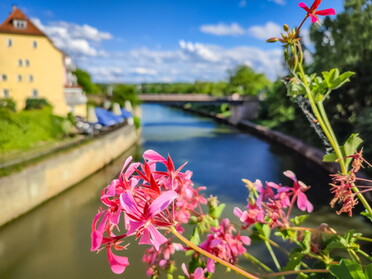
34,184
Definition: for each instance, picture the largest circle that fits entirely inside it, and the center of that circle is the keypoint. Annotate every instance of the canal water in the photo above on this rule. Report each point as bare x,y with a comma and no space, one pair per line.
53,240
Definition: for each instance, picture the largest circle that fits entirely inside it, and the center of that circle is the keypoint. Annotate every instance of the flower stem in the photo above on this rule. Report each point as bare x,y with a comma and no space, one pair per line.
271,251
211,256
257,261
289,272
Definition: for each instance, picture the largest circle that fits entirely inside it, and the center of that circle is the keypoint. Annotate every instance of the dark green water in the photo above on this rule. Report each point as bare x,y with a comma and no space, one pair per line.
53,240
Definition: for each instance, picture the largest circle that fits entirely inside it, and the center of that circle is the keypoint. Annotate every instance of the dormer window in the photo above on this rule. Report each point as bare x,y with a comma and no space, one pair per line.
19,23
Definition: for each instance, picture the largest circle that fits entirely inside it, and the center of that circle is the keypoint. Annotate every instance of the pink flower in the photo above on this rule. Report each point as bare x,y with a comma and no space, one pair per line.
144,219
223,244
313,13
198,273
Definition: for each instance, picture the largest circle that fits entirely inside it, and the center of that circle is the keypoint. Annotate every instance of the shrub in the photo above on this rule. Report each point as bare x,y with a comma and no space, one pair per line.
36,103
8,103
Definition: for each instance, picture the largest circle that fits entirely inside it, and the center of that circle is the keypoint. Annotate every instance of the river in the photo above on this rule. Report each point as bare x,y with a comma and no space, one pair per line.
53,240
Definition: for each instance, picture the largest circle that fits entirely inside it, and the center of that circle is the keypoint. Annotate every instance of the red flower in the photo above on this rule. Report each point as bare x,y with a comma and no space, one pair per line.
313,13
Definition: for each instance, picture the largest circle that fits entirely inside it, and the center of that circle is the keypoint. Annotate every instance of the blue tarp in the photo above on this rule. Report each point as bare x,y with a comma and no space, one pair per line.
106,118
126,114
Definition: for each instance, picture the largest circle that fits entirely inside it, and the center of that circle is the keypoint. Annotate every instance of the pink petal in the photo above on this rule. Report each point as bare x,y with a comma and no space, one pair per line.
314,18
117,263
161,203
152,155
290,174
145,238
133,226
127,161
96,240
157,238
199,273
303,6
237,212
303,203
245,239
326,12
210,266
184,268
129,205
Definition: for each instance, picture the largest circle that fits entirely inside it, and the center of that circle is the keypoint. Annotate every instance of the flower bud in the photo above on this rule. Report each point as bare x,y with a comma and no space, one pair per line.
272,40
285,27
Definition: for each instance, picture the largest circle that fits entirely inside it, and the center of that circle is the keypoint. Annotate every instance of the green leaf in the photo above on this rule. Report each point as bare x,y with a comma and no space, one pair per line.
294,260
306,242
367,214
368,271
266,230
298,220
341,80
330,157
347,269
331,76
216,212
350,146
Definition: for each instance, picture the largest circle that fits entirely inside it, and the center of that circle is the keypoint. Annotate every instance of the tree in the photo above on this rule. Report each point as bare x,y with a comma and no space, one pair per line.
345,42
84,80
125,92
245,81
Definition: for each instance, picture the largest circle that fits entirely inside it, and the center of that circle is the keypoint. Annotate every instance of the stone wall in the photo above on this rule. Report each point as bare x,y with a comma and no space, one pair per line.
34,184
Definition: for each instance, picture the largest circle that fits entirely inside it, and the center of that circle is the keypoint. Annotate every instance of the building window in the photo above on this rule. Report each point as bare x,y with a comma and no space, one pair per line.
6,93
31,78
4,77
34,44
27,63
9,42
19,24
35,93
20,62
19,78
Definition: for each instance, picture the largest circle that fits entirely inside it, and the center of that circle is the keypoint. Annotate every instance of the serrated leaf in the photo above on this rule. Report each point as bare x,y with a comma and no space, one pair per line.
347,269
294,260
306,242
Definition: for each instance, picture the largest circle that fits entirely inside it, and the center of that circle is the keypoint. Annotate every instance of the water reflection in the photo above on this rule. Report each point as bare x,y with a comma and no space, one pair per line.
53,241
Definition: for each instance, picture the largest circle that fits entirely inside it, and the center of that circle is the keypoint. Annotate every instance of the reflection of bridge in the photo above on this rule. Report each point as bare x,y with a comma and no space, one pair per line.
241,107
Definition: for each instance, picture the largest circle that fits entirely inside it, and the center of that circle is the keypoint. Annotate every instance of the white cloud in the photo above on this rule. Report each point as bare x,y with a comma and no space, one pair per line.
76,40
279,2
270,29
242,3
222,29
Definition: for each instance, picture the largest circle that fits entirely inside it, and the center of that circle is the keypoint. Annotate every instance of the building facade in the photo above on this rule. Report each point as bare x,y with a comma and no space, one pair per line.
31,66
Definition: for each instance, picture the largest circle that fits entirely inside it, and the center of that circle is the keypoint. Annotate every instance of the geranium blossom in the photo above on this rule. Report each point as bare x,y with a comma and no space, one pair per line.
313,13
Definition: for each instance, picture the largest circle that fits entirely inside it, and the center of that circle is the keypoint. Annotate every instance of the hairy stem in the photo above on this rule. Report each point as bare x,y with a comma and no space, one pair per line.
211,256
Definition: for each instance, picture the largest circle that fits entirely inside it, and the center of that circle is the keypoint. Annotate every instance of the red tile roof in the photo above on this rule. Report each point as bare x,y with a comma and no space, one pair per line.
8,27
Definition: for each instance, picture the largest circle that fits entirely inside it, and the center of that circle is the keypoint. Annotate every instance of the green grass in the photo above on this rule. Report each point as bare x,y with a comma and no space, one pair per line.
26,129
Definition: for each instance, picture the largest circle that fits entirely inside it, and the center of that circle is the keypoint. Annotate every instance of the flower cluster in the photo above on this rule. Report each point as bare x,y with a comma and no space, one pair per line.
222,243
149,199
272,203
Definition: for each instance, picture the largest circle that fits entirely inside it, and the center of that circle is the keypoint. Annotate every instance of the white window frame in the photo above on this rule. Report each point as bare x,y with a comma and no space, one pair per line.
9,42
19,23
35,93
6,93
4,77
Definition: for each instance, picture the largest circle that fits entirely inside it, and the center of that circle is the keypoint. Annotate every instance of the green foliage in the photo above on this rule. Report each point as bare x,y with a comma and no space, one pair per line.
8,103
84,80
36,103
348,269
345,42
245,81
137,122
23,130
125,92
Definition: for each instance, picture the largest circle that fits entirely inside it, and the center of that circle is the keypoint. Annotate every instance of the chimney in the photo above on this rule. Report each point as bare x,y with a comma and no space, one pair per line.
14,7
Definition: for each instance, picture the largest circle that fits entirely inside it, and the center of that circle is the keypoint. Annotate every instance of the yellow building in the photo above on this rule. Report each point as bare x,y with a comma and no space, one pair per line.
31,66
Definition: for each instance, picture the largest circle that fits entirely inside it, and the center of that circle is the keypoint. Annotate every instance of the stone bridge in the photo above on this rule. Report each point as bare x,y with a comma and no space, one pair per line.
242,108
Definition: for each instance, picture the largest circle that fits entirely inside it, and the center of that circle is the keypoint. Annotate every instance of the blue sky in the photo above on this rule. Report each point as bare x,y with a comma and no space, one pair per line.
166,40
